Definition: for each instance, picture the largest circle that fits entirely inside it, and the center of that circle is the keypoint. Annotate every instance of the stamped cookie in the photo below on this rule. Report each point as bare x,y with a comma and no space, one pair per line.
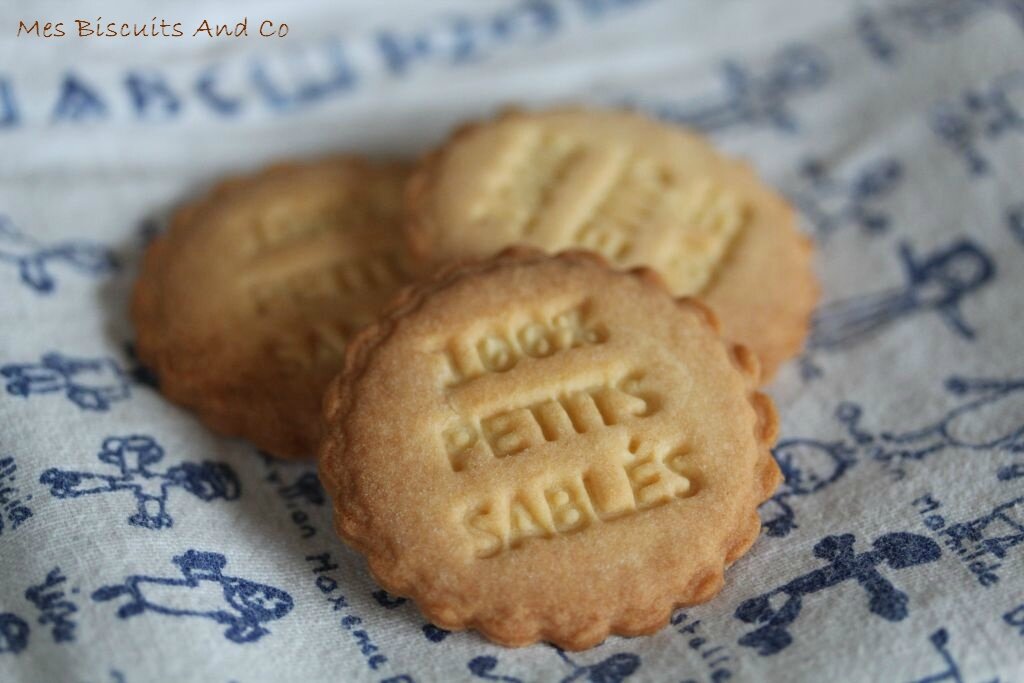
638,192
243,308
574,452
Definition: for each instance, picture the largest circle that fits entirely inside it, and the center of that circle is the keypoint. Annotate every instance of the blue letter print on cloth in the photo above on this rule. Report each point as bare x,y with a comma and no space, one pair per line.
13,633
614,669
133,457
897,550
926,19
750,98
935,282
55,606
432,633
244,605
981,544
831,203
12,508
32,258
993,533
980,115
89,383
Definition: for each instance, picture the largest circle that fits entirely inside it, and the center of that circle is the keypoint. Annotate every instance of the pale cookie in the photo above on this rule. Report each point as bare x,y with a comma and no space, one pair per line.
244,306
543,448
637,191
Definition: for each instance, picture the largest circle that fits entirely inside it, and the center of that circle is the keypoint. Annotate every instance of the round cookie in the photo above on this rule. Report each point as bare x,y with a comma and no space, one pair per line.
575,452
243,307
637,191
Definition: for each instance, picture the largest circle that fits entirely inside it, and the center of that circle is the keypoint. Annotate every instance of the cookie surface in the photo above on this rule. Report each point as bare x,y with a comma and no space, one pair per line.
574,453
638,192
243,307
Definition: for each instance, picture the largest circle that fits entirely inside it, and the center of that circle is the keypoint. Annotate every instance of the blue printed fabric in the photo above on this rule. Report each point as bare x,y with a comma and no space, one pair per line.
137,546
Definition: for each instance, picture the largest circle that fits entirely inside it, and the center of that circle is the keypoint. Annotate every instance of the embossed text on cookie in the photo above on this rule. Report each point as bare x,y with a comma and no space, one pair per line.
576,410
642,478
499,350
628,194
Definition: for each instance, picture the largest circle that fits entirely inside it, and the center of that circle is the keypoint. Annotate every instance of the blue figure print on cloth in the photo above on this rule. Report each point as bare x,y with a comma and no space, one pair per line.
242,605
1015,222
830,203
612,669
14,510
55,606
936,282
884,29
812,465
981,115
33,260
939,641
897,551
998,404
13,633
753,95
432,633
133,458
89,383
808,466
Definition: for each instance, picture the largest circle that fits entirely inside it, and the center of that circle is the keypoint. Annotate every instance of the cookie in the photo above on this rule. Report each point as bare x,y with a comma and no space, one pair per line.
637,191
574,452
243,308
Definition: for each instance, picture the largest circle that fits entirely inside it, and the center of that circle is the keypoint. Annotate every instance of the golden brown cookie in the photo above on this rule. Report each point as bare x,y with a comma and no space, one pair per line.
543,448
244,306
637,191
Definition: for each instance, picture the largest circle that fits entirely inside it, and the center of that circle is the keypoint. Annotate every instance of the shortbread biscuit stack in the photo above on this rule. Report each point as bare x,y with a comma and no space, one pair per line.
546,434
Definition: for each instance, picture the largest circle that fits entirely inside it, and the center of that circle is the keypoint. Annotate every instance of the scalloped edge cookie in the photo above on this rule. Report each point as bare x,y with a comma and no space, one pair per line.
651,606
260,401
764,289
